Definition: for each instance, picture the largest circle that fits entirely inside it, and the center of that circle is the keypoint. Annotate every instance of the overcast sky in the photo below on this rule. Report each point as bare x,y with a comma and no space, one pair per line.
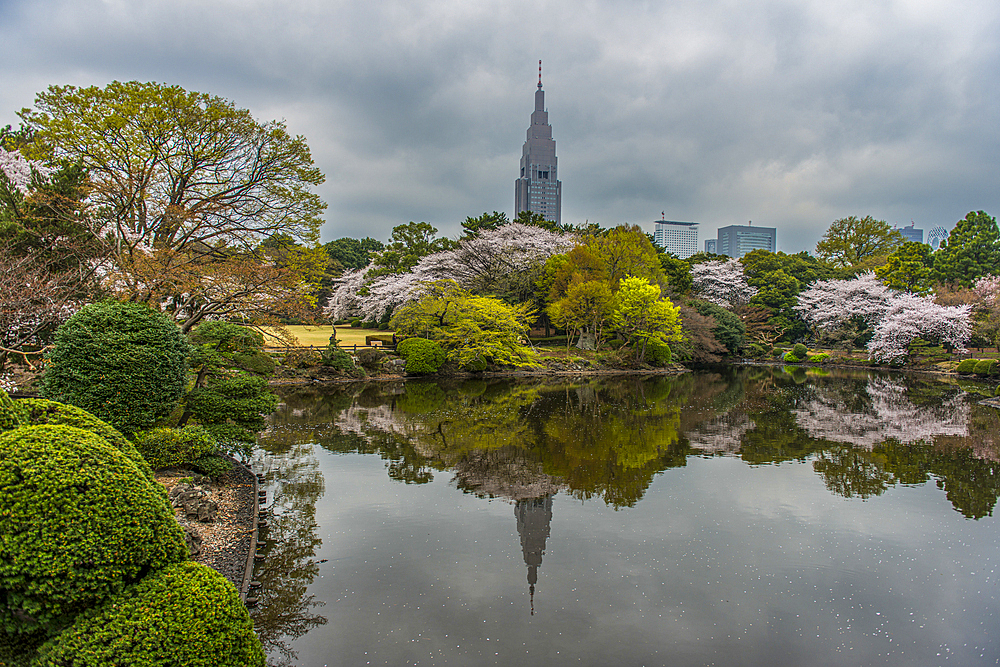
789,113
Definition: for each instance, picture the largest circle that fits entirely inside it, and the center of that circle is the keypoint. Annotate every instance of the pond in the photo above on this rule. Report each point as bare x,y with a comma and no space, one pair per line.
731,516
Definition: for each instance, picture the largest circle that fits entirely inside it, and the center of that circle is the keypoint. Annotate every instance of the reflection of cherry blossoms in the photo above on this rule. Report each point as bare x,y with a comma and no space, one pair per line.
369,422
887,415
722,435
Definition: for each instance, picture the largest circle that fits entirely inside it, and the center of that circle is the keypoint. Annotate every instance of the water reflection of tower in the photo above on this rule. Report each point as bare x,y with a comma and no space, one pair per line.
533,518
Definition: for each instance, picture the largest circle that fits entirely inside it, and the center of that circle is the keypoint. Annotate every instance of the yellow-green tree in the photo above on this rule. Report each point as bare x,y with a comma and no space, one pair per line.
643,313
587,306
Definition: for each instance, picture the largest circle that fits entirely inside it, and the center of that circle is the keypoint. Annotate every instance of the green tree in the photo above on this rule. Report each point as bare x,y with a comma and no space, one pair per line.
643,314
352,253
587,307
728,330
472,328
473,226
678,273
122,362
972,250
908,268
538,220
627,251
779,278
407,245
858,242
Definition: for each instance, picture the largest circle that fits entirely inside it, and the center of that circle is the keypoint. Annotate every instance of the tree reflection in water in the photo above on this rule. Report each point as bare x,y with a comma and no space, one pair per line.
285,611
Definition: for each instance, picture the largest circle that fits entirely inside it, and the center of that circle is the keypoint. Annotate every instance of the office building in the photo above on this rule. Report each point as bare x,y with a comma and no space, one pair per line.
679,238
738,240
711,245
910,233
539,189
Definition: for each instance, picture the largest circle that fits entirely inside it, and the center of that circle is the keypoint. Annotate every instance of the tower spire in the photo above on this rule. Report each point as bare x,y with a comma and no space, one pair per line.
539,74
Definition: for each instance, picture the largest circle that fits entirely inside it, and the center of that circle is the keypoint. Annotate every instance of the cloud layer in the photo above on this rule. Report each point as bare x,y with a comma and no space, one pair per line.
790,114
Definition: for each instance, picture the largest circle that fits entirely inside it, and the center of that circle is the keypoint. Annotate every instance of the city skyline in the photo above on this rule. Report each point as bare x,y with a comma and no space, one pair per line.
790,115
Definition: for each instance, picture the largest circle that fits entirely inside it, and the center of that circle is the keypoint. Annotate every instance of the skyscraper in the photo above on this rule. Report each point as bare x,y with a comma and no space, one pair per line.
679,238
539,189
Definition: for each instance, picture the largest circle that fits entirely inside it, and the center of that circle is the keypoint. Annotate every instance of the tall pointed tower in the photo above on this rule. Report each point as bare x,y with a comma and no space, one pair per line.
539,189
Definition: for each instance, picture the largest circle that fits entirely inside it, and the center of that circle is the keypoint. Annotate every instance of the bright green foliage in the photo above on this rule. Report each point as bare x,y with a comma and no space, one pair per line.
820,358
971,251
232,409
175,447
642,315
40,411
985,367
469,327
658,353
791,358
186,614
627,251
79,523
858,242
728,330
422,356
12,414
800,350
966,366
122,362
219,345
908,269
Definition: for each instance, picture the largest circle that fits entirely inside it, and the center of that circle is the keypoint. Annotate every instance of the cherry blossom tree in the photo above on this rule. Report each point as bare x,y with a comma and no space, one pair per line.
722,283
828,304
18,170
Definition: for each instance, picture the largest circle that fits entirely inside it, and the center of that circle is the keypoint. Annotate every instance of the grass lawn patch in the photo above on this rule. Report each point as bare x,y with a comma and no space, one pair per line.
319,336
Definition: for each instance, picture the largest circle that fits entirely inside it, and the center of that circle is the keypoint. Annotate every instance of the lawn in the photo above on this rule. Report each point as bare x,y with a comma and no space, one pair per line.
320,336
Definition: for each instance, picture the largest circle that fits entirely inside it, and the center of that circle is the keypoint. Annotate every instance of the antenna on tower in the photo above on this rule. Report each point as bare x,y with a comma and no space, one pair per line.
539,73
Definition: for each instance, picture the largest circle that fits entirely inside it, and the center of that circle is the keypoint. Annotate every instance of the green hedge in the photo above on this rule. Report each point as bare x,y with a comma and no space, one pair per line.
12,413
41,411
985,367
791,358
657,353
185,614
820,358
79,523
967,366
122,362
422,356
175,447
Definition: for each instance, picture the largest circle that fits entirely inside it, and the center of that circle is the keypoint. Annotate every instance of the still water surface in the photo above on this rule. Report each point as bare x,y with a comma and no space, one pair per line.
746,516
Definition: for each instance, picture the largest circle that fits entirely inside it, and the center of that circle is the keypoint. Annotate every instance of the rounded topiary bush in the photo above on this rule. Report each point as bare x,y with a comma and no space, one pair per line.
422,356
985,367
658,353
122,362
791,358
370,358
41,411
966,366
800,350
175,447
79,523
820,358
185,614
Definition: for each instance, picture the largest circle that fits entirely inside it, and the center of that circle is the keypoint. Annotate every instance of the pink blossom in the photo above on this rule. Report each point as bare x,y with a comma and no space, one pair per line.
722,283
18,169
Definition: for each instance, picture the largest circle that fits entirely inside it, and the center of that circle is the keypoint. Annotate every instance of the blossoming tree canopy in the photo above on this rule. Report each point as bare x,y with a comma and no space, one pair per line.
723,283
18,170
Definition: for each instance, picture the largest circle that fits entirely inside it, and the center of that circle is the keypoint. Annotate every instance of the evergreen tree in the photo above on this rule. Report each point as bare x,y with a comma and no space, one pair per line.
972,250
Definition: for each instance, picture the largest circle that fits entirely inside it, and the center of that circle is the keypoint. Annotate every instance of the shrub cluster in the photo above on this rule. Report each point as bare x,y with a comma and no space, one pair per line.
303,357
232,410
820,358
80,522
658,353
800,350
422,356
188,447
123,362
985,367
791,358
185,614
370,358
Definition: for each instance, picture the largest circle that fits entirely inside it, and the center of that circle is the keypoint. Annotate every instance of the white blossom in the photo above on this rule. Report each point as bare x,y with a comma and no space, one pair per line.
18,169
722,283
828,304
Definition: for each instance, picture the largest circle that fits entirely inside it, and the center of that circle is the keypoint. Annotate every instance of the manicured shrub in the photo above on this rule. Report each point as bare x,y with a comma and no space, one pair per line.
303,357
778,353
800,350
212,466
477,365
122,362
966,366
422,356
12,412
985,367
657,353
791,358
820,358
260,363
232,410
355,323
79,523
41,411
338,359
185,614
175,447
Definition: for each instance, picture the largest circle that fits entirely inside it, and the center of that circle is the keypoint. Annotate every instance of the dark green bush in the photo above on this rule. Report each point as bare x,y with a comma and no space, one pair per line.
800,350
232,409
477,365
175,447
12,412
79,523
338,359
212,466
985,367
122,362
383,326
658,353
303,357
355,323
756,350
370,358
186,614
422,356
260,363
778,353
967,366
41,411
